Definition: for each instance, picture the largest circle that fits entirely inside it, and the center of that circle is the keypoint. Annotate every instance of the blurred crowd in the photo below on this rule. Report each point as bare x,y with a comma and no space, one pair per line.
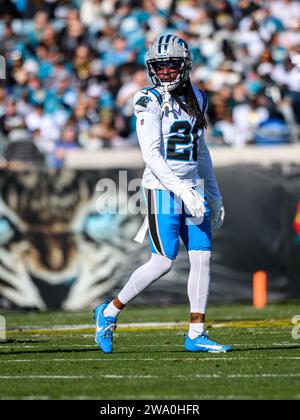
73,66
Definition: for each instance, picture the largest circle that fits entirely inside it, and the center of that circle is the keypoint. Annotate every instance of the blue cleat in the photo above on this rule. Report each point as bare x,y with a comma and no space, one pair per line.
204,344
104,329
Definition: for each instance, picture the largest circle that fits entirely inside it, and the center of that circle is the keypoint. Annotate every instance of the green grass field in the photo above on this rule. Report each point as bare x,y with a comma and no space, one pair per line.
149,362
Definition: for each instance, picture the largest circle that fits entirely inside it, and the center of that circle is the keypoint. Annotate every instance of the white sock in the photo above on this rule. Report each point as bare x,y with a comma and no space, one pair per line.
196,329
111,310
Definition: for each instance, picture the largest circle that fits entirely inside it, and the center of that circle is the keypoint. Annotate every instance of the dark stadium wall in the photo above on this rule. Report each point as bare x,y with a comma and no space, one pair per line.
258,232
58,251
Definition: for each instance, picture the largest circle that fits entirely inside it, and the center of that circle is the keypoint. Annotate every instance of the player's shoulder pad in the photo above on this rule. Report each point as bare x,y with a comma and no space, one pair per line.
147,97
202,98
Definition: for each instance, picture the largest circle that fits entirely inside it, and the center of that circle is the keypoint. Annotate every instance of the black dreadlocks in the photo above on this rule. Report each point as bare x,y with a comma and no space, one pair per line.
191,104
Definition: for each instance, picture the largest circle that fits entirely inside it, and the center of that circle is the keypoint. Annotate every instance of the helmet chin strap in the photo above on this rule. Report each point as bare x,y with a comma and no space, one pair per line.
166,104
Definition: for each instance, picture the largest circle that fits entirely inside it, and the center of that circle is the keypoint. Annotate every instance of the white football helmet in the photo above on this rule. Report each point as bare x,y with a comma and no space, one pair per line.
169,48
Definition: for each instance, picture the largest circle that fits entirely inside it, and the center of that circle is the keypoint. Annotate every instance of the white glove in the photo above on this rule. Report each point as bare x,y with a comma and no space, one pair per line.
193,201
217,214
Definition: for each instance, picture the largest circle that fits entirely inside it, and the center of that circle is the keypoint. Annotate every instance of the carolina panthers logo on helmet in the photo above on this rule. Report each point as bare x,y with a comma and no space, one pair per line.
143,101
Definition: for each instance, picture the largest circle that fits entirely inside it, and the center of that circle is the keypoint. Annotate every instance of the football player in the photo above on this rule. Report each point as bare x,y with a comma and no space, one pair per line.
180,187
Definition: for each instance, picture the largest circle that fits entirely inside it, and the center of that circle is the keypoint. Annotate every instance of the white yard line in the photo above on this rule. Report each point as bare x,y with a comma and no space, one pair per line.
74,327
140,325
131,397
43,377
26,397
51,346
46,346
199,376
149,359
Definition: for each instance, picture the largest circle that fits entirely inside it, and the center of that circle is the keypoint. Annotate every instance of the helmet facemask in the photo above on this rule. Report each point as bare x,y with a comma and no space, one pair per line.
174,65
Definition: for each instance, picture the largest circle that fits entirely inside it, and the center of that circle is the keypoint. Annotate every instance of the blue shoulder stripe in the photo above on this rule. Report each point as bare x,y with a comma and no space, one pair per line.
156,93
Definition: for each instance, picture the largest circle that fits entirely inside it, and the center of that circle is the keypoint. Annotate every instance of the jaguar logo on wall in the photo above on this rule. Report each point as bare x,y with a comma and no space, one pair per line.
56,250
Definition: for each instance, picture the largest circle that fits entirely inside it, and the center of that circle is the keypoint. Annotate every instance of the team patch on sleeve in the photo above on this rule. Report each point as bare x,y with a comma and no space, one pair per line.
143,101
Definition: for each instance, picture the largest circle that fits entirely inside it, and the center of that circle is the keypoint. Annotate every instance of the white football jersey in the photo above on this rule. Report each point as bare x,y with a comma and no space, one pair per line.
172,145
